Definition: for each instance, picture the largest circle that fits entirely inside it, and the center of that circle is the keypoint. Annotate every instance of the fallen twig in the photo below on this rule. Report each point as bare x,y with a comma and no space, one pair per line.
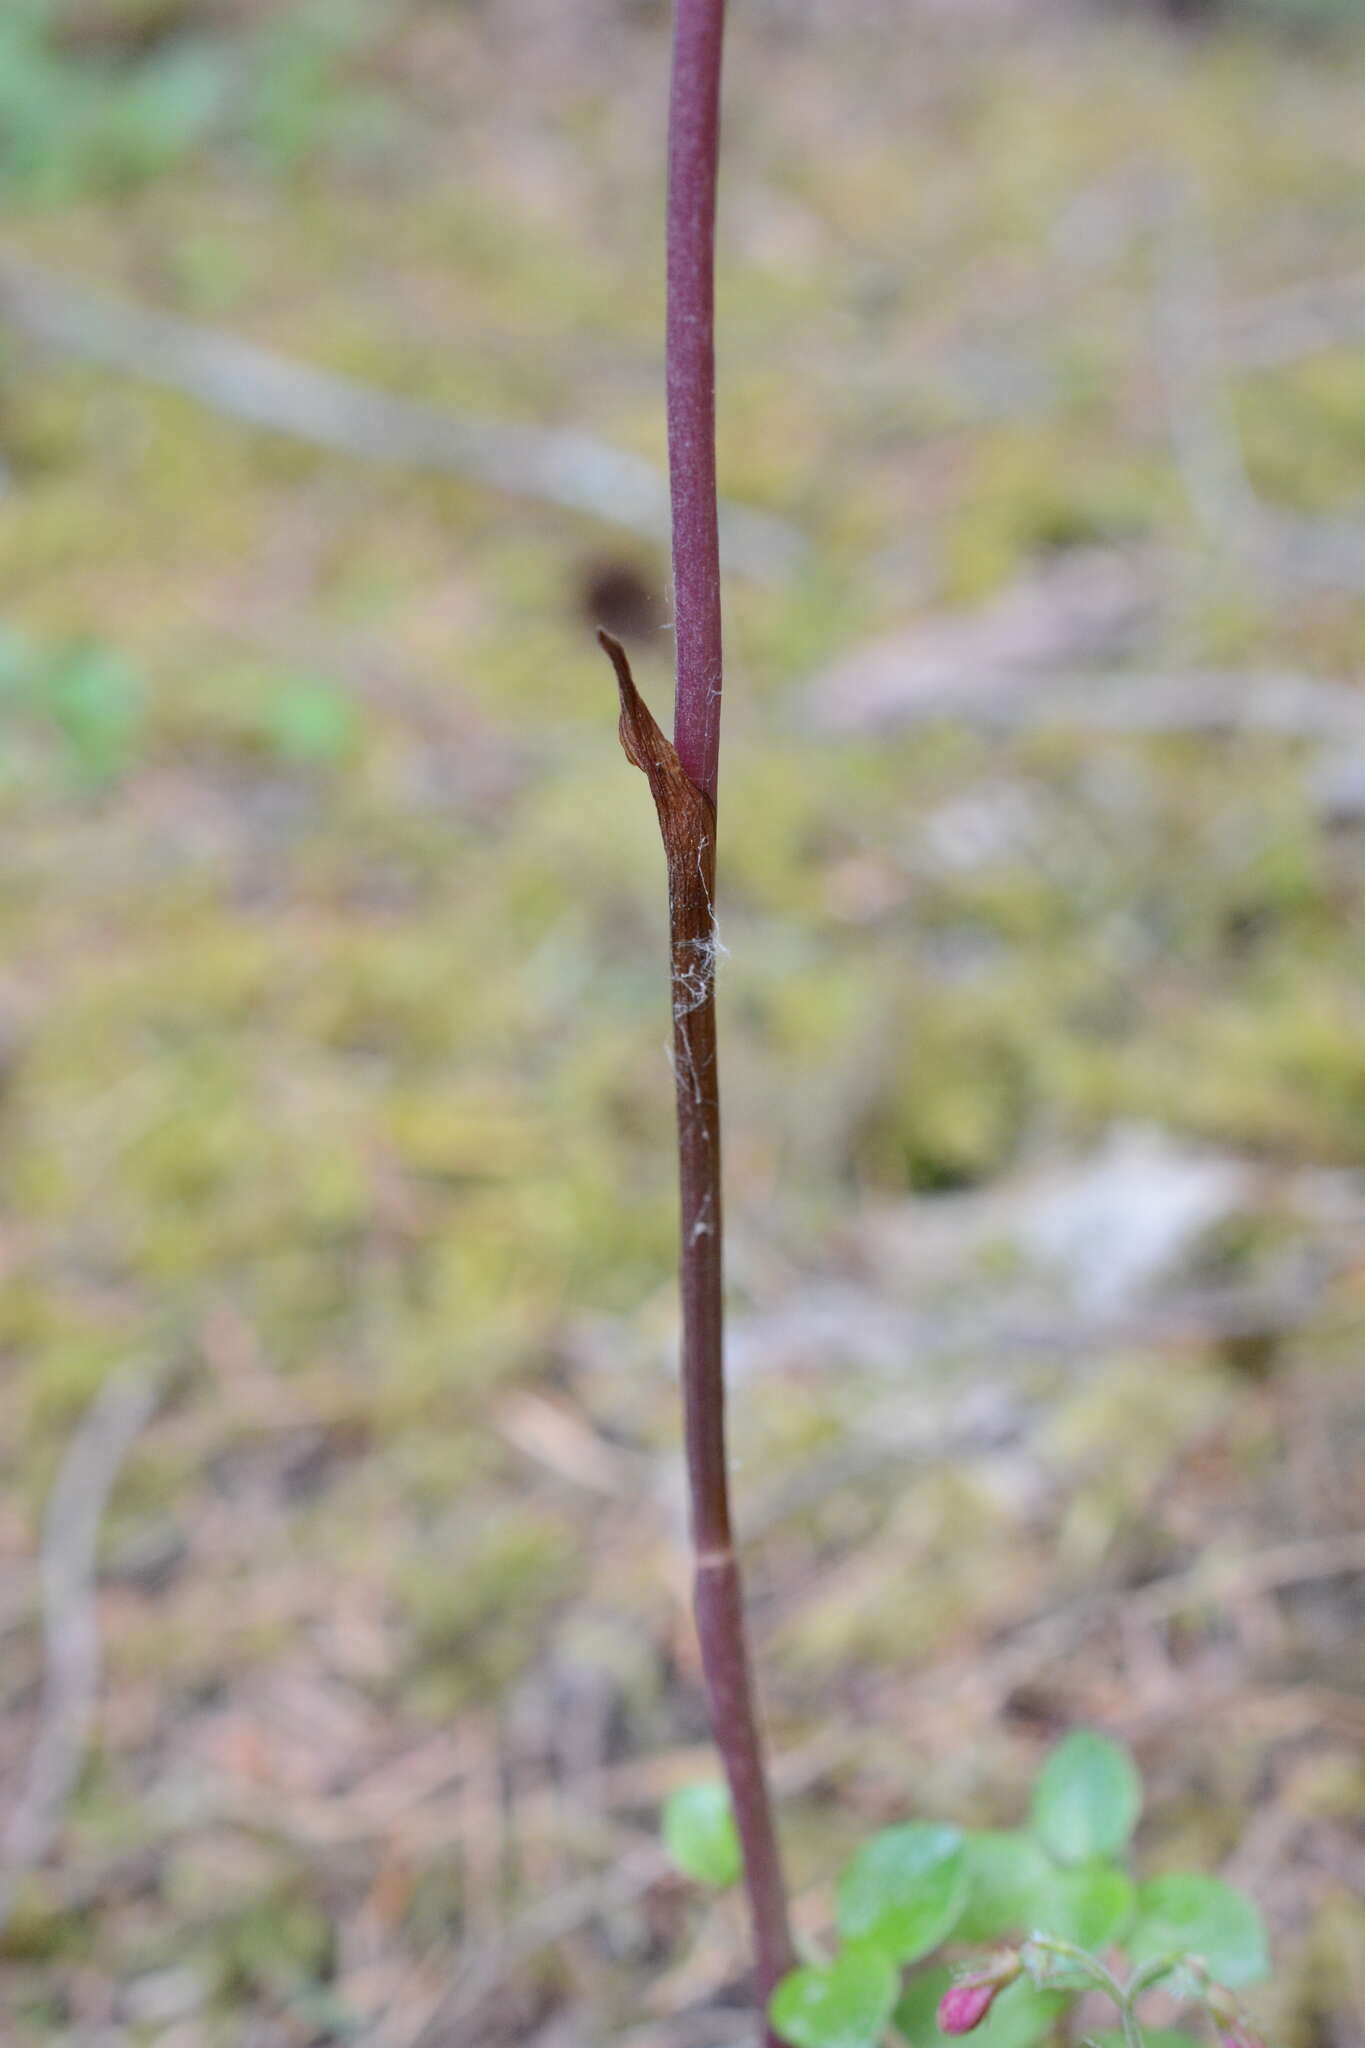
1203,433
1024,1649
414,2023
559,465
71,1676
1310,318
1204,703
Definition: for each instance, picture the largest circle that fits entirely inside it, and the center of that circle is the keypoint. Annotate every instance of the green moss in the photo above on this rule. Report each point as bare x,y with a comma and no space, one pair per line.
897,1596
1033,488
1302,434
957,1097
474,1625
39,1931
1107,1496
278,1944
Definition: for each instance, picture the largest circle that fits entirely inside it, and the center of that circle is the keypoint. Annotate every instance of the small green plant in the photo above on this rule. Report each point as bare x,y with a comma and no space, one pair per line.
1307,16
309,723
95,112
69,121
80,700
1055,1902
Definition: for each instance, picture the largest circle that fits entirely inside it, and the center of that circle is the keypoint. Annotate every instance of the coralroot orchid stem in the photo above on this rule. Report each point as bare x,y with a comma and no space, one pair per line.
693,159
687,823
682,780
693,162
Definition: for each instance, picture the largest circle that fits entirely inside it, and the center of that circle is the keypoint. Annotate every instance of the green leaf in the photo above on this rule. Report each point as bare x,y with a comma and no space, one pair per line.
309,722
1091,1906
165,107
1087,1798
843,2004
94,697
16,656
1009,1878
1153,2037
916,2016
1189,1915
904,1891
1020,2016
700,1834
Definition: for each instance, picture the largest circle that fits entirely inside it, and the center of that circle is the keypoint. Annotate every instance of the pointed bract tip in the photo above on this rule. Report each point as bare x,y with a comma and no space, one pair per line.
615,653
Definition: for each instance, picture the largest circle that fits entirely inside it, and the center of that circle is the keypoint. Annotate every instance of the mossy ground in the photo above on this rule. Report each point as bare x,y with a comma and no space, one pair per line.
333,1010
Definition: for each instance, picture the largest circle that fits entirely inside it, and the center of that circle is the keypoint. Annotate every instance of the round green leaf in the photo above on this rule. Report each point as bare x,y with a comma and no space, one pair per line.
1087,1799
1198,1916
1008,1880
310,722
94,697
843,2004
1091,1905
904,1891
916,2016
1153,2037
700,1834
1020,2016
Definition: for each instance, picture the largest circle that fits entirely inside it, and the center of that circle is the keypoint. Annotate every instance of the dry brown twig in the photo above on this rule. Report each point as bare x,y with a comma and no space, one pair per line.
94,1458
247,382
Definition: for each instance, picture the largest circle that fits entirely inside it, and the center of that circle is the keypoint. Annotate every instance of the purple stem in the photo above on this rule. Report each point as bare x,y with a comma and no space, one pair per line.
693,156
687,821
687,814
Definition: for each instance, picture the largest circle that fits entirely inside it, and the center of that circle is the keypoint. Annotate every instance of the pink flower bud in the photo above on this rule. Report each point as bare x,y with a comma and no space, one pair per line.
1242,2036
965,2006
971,1998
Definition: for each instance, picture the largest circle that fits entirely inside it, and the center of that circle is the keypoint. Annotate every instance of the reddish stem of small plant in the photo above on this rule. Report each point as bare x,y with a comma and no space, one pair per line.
684,788
687,821
693,159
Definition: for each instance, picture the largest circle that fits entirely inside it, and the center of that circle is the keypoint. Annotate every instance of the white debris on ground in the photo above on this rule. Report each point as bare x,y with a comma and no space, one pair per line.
1072,1253
1096,1233
1088,604
1108,1227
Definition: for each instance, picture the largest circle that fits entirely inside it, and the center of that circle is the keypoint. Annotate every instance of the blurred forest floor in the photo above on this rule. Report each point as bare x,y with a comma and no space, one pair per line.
336,1192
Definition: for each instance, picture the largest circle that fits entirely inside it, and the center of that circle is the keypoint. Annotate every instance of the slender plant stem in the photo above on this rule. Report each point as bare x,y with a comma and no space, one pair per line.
687,823
693,158
1081,1958
1123,1995
693,161
1151,1973
682,778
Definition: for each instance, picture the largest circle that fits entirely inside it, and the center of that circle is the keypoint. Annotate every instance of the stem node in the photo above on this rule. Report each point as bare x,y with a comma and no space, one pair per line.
687,826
